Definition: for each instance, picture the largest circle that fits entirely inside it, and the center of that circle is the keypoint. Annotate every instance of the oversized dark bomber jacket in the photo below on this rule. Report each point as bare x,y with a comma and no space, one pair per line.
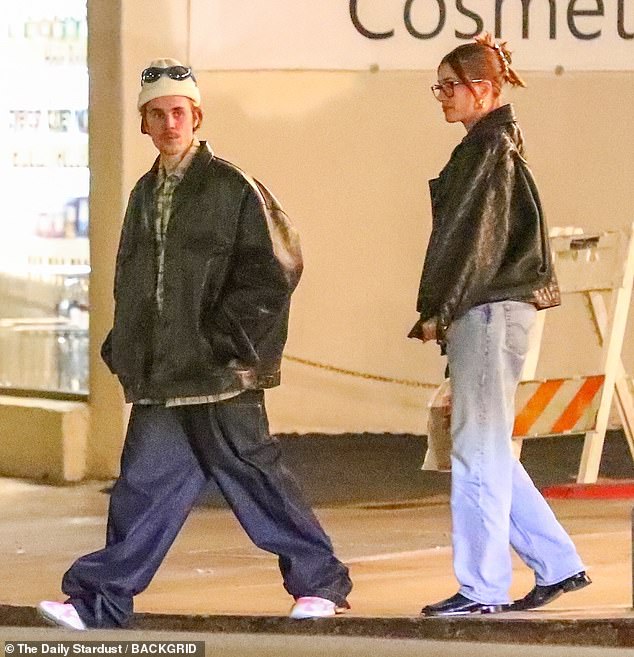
232,261
489,241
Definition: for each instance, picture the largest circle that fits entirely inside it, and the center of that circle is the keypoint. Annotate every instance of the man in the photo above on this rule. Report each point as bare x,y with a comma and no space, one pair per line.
205,269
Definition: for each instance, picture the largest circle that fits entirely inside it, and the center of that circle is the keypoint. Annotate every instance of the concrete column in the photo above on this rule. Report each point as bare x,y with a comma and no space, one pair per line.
121,41
107,204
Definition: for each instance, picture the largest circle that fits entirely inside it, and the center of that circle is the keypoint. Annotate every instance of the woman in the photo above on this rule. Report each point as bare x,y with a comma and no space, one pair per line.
487,271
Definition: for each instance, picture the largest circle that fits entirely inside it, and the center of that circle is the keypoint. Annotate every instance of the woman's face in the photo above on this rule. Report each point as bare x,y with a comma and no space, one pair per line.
462,106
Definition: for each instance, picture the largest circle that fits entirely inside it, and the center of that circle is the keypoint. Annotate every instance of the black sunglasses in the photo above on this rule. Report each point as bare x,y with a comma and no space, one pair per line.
154,73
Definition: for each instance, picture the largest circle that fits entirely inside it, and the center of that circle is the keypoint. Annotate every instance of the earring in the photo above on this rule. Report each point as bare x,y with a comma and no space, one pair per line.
479,103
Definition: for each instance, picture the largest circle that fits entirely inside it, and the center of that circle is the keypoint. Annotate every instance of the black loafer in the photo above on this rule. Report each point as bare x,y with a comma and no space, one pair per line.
542,595
458,605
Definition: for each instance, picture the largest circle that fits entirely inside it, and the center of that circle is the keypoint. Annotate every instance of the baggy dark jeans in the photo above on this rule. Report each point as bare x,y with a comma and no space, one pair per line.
168,455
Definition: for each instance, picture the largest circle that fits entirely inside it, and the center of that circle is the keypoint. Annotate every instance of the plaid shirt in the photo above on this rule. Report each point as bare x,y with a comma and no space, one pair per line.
163,196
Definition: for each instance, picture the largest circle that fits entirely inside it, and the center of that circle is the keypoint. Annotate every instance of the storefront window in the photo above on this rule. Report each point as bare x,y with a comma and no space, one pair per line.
44,257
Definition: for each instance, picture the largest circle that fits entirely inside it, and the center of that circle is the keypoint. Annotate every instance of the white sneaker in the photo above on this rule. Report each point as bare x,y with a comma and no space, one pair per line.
62,614
314,607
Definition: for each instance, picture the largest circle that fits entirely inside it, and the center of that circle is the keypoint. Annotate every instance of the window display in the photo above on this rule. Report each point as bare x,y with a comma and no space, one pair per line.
44,256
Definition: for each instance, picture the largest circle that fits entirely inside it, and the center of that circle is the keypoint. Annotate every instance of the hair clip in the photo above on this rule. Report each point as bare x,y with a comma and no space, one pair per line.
502,57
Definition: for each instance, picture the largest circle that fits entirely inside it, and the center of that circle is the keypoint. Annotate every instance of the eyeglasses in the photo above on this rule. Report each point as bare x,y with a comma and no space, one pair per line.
155,73
447,87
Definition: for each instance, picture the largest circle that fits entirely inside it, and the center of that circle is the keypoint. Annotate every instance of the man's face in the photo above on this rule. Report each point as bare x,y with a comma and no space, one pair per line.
169,121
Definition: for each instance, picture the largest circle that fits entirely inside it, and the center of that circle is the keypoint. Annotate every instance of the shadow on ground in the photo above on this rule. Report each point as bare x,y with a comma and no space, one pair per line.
381,468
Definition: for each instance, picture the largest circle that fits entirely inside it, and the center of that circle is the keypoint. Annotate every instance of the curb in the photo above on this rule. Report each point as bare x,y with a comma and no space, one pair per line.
621,490
507,628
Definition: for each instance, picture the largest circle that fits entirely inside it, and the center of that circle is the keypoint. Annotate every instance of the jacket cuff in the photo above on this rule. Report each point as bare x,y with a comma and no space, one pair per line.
417,330
442,324
106,352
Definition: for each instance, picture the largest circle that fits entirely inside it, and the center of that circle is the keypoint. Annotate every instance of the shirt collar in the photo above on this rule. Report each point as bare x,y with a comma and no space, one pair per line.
179,171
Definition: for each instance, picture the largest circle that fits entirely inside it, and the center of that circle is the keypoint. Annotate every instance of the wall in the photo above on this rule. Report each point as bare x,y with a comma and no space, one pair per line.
349,154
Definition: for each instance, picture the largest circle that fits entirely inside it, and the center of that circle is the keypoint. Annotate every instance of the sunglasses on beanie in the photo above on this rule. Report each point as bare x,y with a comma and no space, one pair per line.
155,73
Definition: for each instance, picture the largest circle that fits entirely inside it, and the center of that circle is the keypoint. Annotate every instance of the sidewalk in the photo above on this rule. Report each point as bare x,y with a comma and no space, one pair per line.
399,556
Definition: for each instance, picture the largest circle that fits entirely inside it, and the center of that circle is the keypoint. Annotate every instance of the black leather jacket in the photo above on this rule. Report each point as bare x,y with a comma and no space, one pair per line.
489,241
232,261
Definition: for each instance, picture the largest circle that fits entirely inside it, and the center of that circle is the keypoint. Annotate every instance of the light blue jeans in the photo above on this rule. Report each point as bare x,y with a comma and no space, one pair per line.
494,503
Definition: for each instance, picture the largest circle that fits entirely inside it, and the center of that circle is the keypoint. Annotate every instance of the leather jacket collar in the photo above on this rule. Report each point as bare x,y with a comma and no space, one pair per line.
498,117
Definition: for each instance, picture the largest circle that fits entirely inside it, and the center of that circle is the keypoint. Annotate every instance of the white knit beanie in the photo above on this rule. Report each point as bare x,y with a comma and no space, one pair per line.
165,86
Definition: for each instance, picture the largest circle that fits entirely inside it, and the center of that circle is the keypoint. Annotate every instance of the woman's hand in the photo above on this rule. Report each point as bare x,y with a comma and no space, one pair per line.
429,329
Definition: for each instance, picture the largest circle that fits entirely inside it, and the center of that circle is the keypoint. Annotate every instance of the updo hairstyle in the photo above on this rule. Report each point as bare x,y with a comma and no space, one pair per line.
484,59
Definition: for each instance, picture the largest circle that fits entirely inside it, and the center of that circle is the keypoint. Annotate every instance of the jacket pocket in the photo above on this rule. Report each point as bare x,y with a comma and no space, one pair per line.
229,341
212,331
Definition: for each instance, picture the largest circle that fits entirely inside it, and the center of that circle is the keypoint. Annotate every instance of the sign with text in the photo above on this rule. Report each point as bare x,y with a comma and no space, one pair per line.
407,34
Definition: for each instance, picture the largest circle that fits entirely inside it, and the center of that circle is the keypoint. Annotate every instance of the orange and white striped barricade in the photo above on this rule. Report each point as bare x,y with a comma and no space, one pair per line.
601,267
557,406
